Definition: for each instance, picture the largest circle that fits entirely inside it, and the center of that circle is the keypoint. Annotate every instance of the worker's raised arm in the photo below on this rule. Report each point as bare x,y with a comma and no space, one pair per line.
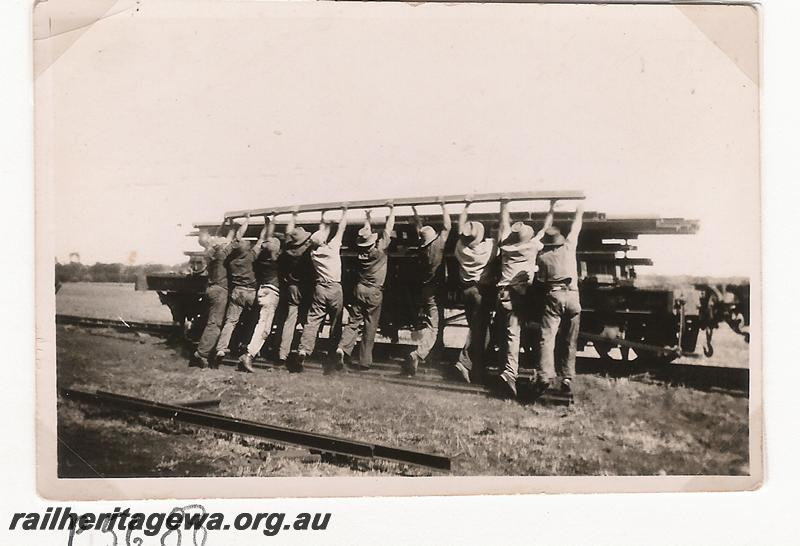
448,223
577,224
368,219
505,220
548,221
220,228
264,234
389,227
269,225
243,227
292,221
231,231
417,220
337,239
462,218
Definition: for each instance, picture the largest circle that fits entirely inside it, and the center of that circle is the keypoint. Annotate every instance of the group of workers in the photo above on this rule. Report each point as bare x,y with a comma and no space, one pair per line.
505,277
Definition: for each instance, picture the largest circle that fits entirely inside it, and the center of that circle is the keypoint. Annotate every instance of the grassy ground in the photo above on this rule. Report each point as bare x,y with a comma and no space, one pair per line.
617,426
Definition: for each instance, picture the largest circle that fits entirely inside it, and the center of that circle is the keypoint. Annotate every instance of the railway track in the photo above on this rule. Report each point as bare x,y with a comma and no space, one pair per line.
325,443
430,376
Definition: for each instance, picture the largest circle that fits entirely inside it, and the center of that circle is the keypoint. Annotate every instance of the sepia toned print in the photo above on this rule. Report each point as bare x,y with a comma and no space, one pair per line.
354,243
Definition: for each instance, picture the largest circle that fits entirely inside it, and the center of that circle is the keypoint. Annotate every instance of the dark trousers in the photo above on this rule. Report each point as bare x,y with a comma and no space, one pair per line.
511,306
429,315
294,297
366,312
327,301
478,302
217,302
558,340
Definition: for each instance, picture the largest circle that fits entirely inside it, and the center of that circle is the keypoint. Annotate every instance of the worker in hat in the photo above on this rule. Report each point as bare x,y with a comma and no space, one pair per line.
217,250
243,286
475,254
327,299
557,276
296,277
518,249
268,292
371,275
429,266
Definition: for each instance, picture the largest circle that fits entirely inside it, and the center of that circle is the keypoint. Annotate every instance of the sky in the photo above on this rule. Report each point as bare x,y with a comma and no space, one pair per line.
165,113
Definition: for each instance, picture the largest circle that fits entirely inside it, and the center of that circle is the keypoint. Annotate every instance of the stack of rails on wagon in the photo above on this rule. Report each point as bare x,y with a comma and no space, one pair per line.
521,282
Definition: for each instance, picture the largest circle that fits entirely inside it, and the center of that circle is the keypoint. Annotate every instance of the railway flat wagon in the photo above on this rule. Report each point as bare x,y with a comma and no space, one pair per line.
620,319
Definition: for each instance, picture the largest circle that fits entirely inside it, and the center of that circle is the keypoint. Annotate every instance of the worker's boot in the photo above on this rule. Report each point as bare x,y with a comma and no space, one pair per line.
461,372
509,385
297,365
199,360
411,364
246,363
339,359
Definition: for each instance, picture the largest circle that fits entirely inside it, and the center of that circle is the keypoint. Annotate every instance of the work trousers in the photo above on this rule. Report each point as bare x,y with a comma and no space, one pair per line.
429,314
241,299
478,302
268,299
366,312
510,307
327,301
294,297
217,302
558,340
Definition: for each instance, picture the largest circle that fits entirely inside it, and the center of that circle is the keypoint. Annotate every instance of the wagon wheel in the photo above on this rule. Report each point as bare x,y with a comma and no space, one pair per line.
605,352
604,348
627,357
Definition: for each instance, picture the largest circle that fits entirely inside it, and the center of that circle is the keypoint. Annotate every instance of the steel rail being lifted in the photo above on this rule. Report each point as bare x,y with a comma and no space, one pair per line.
415,201
311,440
611,226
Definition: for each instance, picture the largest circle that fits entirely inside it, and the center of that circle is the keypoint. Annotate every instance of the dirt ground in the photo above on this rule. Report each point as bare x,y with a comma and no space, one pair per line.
616,427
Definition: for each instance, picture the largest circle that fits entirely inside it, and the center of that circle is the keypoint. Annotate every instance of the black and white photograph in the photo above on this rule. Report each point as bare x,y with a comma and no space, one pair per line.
495,245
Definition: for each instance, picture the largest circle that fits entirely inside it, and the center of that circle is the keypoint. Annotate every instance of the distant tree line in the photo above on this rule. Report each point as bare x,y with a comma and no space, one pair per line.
100,272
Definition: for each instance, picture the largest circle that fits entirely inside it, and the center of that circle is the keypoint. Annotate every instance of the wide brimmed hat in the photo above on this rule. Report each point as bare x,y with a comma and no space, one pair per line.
472,233
366,237
520,233
427,235
319,237
553,237
297,237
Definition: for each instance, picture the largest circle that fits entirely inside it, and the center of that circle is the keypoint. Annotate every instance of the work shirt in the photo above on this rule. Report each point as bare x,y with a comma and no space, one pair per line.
473,262
294,264
216,256
327,262
266,264
372,262
240,266
559,263
429,261
518,262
